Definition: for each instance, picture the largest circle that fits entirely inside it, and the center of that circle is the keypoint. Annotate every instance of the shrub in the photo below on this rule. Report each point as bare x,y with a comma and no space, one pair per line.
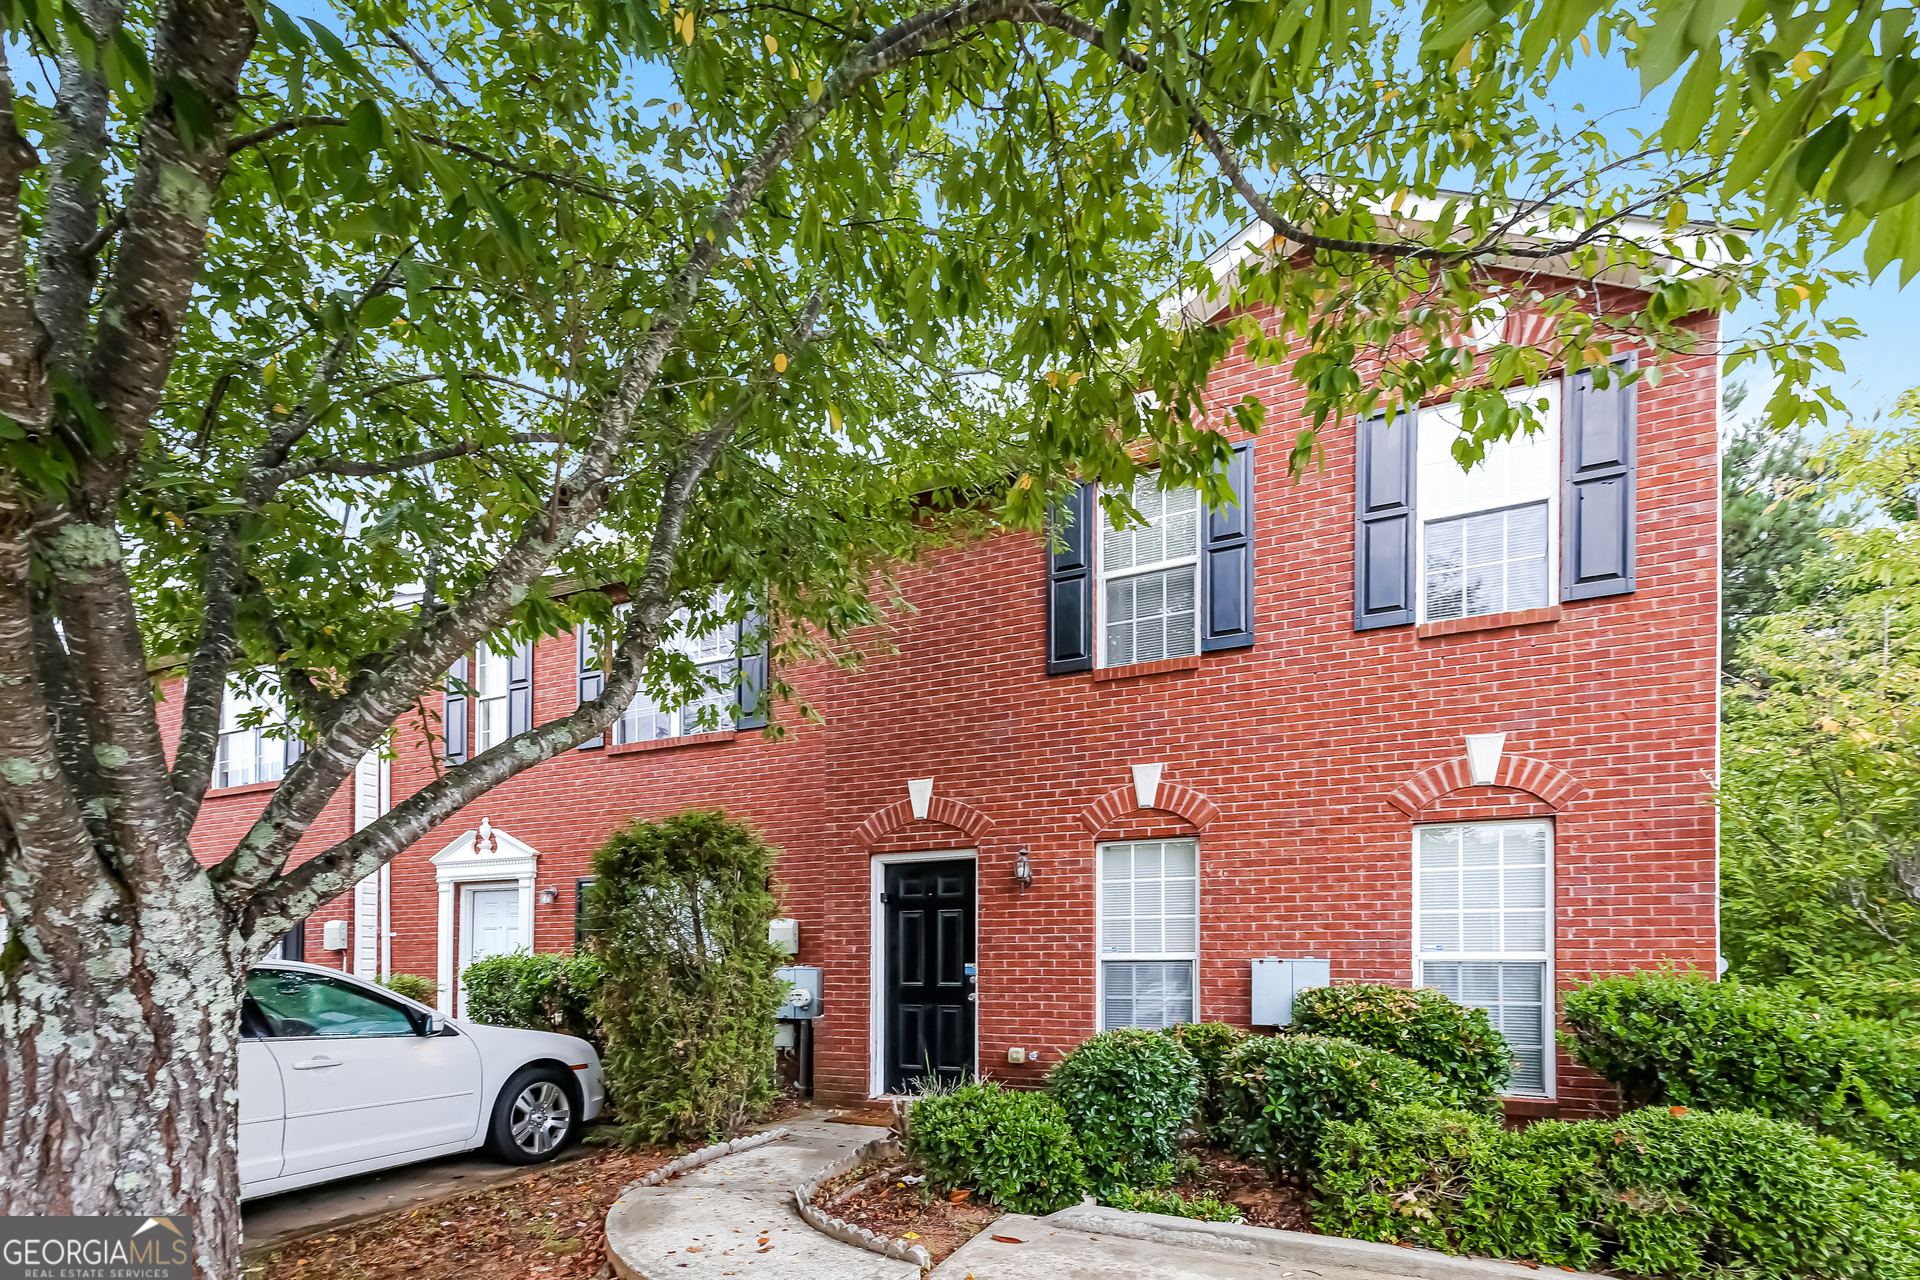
1129,1095
1202,1208
1674,1039
1012,1146
1654,1193
413,987
536,990
677,915
1468,1059
1211,1044
1278,1092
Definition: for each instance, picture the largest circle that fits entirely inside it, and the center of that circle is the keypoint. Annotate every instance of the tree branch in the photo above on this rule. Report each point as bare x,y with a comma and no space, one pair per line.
206,683
421,658
334,465
23,383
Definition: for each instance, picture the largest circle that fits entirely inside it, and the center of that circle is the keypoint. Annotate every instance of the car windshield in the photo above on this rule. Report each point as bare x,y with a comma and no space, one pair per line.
309,1004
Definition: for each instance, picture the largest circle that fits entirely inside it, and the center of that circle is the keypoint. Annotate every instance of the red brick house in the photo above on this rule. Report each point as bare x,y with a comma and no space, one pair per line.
1229,736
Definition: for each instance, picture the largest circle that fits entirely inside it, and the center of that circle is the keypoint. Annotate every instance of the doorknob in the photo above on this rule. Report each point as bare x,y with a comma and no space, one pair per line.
972,997
320,1063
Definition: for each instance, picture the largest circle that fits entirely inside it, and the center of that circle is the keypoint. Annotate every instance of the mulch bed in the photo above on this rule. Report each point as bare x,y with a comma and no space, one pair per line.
1263,1199
894,1207
552,1226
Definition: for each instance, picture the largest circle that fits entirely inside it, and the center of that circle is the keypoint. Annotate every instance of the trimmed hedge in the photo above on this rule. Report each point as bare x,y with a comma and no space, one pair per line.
535,990
1467,1058
1660,1192
1129,1095
1670,1038
413,987
1277,1093
1211,1044
1012,1146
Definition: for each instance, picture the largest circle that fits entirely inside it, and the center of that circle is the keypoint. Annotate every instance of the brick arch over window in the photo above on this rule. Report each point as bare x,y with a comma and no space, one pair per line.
951,813
1172,798
1549,783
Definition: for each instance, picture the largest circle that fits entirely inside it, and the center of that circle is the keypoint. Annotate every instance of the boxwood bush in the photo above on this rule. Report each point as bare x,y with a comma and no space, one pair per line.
413,987
1011,1146
535,990
1660,1192
1277,1093
1669,1038
1211,1044
1467,1058
1129,1095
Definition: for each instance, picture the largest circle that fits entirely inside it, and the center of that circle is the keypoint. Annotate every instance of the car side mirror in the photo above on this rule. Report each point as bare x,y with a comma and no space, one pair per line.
435,1025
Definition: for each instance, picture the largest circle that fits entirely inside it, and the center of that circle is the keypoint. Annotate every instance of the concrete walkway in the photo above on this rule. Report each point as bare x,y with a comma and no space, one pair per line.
735,1217
1090,1243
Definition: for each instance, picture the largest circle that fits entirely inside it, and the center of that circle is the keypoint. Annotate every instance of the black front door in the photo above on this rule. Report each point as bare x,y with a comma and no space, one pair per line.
929,942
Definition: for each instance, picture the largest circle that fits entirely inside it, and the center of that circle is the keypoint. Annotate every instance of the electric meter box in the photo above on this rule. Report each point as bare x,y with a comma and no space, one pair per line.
802,984
1277,982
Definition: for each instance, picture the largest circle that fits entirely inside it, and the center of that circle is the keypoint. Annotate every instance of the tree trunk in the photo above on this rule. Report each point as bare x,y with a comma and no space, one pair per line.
119,1064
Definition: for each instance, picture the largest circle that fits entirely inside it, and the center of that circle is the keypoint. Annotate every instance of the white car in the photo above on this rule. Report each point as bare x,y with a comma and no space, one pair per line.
340,1076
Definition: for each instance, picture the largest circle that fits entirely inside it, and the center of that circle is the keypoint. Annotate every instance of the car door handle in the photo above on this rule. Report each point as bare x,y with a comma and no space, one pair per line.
316,1064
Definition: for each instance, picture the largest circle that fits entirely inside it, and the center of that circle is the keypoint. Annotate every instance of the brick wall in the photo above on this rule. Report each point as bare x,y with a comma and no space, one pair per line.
1298,743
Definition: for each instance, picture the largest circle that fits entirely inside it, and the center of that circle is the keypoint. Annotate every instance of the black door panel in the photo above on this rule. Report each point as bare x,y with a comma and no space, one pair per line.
929,949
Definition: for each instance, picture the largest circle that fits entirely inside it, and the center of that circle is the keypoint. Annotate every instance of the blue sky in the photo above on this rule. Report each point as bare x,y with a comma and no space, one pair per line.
1879,364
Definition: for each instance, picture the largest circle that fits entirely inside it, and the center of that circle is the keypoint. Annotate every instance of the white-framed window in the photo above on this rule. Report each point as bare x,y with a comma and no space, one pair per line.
1488,536
1150,578
253,744
1483,931
1148,933
711,709
491,690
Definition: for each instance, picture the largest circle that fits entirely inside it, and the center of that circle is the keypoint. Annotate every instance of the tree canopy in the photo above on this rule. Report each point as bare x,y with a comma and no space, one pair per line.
334,342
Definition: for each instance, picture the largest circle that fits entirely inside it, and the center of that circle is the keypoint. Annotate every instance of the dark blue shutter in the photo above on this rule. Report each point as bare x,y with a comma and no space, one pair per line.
520,689
1226,563
750,650
1596,523
589,666
1383,524
1070,584
293,943
453,713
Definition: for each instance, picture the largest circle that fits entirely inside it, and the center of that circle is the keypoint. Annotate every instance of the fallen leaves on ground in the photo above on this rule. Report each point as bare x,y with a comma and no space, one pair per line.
1262,1199
551,1226
906,1210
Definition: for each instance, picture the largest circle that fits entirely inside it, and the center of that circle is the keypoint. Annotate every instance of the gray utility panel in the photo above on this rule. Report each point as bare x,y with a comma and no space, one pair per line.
1276,982
802,985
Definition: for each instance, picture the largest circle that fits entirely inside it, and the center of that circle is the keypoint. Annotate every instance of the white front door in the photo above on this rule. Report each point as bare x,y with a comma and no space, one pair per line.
361,1082
493,927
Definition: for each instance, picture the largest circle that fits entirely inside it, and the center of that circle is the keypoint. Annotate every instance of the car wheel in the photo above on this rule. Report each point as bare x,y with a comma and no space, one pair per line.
534,1117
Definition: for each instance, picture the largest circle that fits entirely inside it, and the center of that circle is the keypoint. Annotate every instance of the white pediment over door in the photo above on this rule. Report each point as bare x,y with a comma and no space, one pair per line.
485,853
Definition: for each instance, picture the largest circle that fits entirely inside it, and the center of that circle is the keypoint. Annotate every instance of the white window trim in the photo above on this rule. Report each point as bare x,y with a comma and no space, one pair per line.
264,748
1104,530
1556,388
503,660
1099,905
1550,1001
681,727
877,962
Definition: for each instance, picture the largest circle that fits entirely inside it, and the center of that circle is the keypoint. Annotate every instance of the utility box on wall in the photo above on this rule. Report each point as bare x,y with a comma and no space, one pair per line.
803,992
1276,982
333,935
784,934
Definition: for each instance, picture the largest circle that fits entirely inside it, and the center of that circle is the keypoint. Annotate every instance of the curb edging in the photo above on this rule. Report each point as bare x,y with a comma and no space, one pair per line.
694,1159
846,1232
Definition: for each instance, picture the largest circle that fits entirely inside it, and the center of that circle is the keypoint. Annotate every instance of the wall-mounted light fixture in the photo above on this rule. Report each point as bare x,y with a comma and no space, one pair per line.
1023,868
550,895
